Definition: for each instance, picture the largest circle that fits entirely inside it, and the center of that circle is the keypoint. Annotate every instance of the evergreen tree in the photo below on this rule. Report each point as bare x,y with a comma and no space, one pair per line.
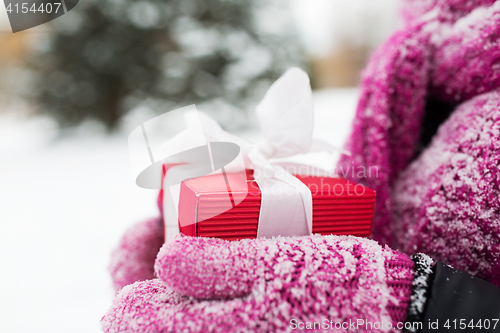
106,57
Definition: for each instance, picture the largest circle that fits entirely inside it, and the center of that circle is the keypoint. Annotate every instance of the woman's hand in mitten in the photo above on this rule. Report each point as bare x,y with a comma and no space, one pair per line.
267,285
134,258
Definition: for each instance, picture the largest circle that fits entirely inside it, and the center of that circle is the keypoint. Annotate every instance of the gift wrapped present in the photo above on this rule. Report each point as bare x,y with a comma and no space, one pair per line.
224,186
339,207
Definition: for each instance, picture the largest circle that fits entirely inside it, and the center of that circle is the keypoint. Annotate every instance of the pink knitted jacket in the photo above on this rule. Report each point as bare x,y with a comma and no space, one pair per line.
436,193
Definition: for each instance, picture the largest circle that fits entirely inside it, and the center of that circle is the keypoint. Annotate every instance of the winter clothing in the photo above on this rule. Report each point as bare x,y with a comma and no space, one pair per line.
436,193
457,302
440,197
266,285
134,258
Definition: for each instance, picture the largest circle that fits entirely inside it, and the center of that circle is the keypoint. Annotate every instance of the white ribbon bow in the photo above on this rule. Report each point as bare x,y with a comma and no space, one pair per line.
286,119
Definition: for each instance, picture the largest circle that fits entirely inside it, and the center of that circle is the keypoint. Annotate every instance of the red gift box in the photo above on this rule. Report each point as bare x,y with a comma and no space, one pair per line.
340,207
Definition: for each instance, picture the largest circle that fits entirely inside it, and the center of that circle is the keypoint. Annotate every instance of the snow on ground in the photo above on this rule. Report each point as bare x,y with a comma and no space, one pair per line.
64,204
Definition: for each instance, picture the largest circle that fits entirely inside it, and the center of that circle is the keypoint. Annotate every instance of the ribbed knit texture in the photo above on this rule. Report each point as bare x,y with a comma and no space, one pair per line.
260,285
445,203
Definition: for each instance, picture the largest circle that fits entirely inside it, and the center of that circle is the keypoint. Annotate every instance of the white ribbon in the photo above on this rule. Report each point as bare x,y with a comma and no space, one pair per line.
286,119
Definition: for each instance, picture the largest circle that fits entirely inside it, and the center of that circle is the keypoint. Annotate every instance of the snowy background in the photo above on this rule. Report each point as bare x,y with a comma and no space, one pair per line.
67,198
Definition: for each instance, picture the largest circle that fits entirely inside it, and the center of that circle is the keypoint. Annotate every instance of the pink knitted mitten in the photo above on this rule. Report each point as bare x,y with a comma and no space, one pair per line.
134,258
268,285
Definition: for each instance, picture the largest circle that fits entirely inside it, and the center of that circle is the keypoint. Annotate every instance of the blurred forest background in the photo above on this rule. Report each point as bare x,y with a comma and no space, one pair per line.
119,62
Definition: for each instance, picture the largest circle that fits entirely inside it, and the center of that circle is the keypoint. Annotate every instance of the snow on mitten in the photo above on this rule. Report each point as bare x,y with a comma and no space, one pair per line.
134,258
267,285
386,124
444,61
447,202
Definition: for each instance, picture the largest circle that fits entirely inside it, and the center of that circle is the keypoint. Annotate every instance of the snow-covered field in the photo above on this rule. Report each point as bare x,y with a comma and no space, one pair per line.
65,202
